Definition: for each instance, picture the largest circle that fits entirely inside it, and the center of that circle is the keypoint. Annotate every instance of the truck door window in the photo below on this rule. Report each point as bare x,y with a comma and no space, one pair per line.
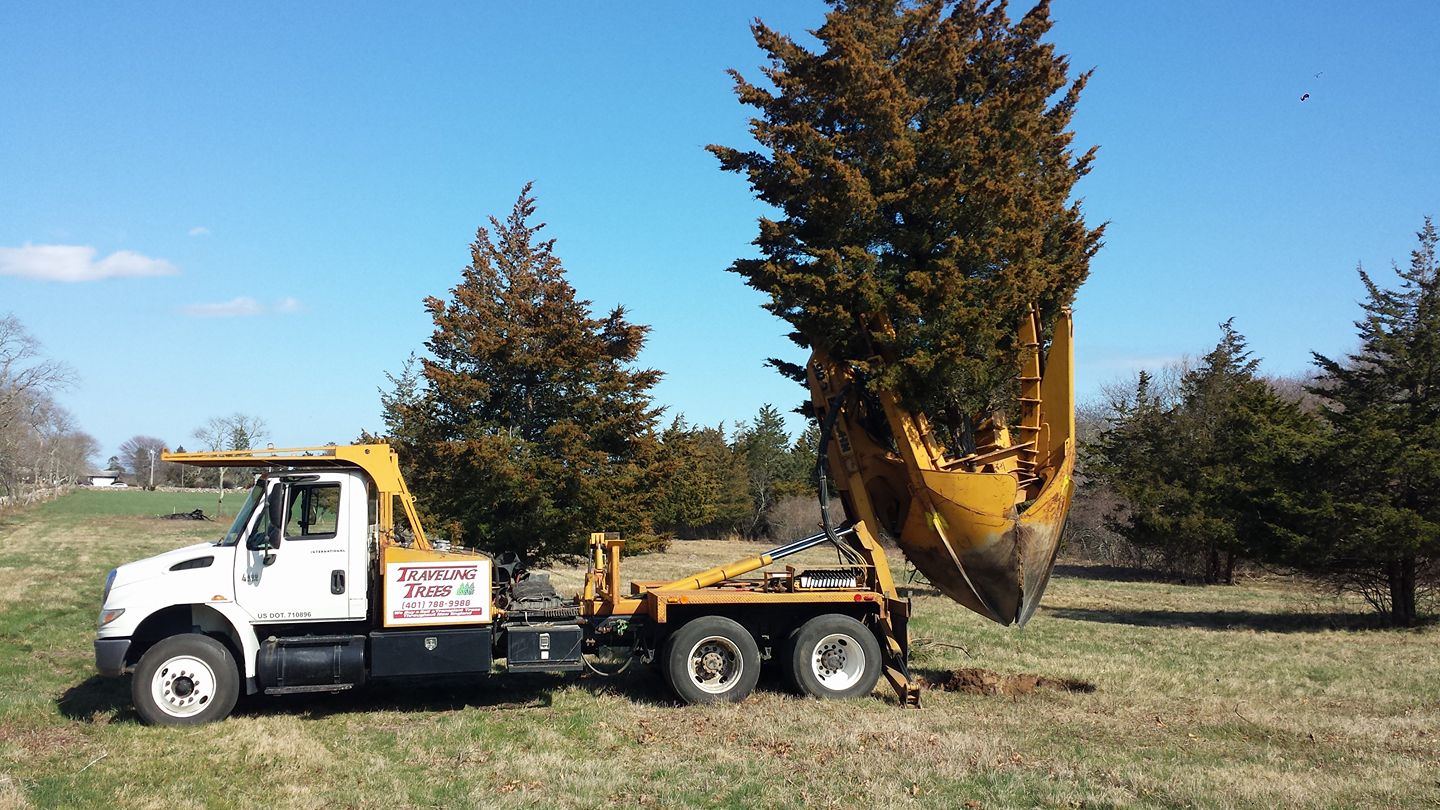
314,511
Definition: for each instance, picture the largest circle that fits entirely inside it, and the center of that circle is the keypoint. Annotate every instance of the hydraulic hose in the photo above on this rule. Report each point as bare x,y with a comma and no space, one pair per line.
822,466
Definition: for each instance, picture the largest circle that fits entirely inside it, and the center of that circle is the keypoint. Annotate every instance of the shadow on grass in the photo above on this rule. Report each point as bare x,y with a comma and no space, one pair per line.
498,692
1225,619
913,590
98,699
105,700
926,675
1098,572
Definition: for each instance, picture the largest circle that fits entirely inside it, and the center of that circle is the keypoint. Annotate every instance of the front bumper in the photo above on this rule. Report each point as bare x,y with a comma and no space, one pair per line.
110,655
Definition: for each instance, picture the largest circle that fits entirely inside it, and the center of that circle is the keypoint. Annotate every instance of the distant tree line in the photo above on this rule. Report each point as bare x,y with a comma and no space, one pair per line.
1338,476
756,483
139,460
40,445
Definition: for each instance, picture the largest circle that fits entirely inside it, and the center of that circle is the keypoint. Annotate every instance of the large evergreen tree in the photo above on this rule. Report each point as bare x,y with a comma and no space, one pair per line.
1377,522
1206,479
920,164
528,425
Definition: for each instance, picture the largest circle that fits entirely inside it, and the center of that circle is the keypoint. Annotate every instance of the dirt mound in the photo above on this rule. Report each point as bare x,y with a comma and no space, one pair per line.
976,681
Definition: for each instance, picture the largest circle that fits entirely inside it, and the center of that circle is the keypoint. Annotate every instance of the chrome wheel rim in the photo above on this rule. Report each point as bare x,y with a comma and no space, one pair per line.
837,661
183,686
714,665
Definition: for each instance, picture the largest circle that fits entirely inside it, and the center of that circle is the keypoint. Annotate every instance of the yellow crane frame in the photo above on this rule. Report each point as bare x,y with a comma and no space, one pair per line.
983,527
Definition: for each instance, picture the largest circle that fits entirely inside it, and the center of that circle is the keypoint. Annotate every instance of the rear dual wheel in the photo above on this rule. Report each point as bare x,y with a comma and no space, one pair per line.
832,657
711,659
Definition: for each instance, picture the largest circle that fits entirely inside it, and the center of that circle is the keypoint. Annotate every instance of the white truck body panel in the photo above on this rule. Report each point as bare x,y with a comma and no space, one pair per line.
145,587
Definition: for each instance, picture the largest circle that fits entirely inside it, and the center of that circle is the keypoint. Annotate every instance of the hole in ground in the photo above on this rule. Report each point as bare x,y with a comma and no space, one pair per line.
977,681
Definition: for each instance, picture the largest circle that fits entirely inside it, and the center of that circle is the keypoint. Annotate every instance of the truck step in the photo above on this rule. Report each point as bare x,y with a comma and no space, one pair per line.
319,687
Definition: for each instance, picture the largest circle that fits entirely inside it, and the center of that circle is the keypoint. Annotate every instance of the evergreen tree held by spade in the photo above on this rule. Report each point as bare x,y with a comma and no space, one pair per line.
922,177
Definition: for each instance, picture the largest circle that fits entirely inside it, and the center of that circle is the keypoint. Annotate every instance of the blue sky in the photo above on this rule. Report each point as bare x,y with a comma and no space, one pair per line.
261,196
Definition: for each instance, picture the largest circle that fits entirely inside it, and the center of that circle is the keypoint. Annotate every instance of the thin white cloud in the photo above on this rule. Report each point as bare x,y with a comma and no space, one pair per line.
242,307
234,308
71,263
199,230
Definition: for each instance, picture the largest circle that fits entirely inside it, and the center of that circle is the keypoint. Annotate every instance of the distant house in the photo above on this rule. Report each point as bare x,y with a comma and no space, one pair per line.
107,478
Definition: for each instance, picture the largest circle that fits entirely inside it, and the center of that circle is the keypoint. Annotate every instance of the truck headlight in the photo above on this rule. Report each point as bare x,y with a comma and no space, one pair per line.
109,580
107,616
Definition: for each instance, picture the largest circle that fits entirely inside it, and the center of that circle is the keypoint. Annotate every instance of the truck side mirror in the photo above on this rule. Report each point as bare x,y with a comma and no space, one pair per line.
275,507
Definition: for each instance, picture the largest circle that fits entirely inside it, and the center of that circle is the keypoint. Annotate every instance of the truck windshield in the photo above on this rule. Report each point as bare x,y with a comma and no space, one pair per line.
257,494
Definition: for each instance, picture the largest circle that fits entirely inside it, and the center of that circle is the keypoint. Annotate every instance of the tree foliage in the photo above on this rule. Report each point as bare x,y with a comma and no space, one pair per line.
920,163
1341,480
1375,524
1205,476
774,468
140,456
238,431
744,485
527,425
705,483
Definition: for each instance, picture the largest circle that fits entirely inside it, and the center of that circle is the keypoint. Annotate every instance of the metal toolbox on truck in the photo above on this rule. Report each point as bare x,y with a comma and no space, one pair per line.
434,651
543,647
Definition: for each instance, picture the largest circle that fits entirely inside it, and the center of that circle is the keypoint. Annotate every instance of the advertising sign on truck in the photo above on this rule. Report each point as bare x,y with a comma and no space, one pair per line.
430,593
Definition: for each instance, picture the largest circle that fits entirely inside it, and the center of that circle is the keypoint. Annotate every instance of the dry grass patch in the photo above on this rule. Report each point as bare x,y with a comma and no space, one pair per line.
12,797
15,583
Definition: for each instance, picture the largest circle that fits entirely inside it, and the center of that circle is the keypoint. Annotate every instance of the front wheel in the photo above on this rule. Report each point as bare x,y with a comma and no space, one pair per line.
185,680
712,659
833,656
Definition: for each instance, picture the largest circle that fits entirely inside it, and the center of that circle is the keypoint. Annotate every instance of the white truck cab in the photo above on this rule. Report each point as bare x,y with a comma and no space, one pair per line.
284,600
318,575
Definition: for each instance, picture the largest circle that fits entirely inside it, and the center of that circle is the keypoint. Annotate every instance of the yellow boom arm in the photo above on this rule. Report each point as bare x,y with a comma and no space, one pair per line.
379,461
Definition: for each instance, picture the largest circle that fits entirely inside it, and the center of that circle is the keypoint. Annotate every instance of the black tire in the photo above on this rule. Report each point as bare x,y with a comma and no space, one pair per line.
185,680
662,662
832,657
711,660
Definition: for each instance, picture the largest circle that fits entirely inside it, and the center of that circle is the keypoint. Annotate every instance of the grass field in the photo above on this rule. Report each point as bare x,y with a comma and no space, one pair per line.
1263,694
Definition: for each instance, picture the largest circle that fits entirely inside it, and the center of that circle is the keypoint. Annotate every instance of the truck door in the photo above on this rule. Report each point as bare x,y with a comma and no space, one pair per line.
307,578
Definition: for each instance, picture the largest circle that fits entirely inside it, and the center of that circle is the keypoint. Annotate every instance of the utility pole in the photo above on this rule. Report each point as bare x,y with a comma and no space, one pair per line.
152,467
